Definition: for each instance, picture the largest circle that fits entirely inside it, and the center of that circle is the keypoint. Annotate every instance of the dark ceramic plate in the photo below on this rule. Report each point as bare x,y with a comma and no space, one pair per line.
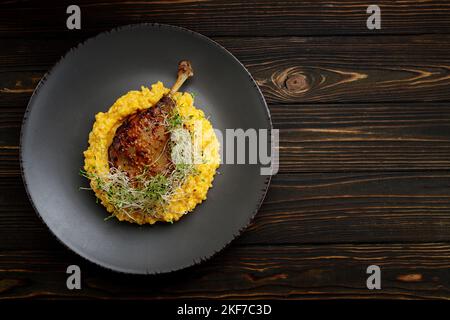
89,79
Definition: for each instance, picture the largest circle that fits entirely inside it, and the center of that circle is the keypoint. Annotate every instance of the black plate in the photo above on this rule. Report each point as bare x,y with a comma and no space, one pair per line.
89,79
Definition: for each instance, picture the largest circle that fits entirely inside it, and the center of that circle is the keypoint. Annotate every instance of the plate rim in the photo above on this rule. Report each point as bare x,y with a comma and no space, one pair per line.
194,262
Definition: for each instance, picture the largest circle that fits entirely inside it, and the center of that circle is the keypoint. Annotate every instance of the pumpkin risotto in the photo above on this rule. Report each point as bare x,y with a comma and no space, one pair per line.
162,197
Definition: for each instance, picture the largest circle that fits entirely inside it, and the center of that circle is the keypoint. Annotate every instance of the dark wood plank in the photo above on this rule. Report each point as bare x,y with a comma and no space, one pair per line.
254,17
325,137
419,271
347,69
9,161
363,137
365,207
306,208
288,70
22,227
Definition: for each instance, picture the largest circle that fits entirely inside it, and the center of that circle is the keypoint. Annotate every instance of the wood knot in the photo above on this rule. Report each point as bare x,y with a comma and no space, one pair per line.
8,284
297,82
413,277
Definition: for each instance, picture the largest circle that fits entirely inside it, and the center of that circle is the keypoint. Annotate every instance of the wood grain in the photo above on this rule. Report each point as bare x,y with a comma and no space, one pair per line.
417,271
298,209
237,18
326,137
365,207
9,161
288,70
363,137
324,125
347,69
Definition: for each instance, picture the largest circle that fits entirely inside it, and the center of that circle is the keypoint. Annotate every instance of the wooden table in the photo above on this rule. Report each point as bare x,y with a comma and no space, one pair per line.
364,119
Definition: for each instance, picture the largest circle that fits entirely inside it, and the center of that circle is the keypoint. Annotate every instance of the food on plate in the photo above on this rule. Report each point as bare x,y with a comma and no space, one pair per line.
153,156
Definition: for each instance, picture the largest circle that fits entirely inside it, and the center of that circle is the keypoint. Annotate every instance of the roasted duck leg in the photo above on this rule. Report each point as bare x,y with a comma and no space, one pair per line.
141,142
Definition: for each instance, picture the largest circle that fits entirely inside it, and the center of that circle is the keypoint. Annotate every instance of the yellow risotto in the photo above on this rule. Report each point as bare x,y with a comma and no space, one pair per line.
194,188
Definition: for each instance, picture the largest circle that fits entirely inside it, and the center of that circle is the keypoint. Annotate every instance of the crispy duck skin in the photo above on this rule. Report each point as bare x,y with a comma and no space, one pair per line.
141,143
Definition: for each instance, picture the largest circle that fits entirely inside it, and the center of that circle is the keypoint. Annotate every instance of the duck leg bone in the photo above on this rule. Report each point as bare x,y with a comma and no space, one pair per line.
185,71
